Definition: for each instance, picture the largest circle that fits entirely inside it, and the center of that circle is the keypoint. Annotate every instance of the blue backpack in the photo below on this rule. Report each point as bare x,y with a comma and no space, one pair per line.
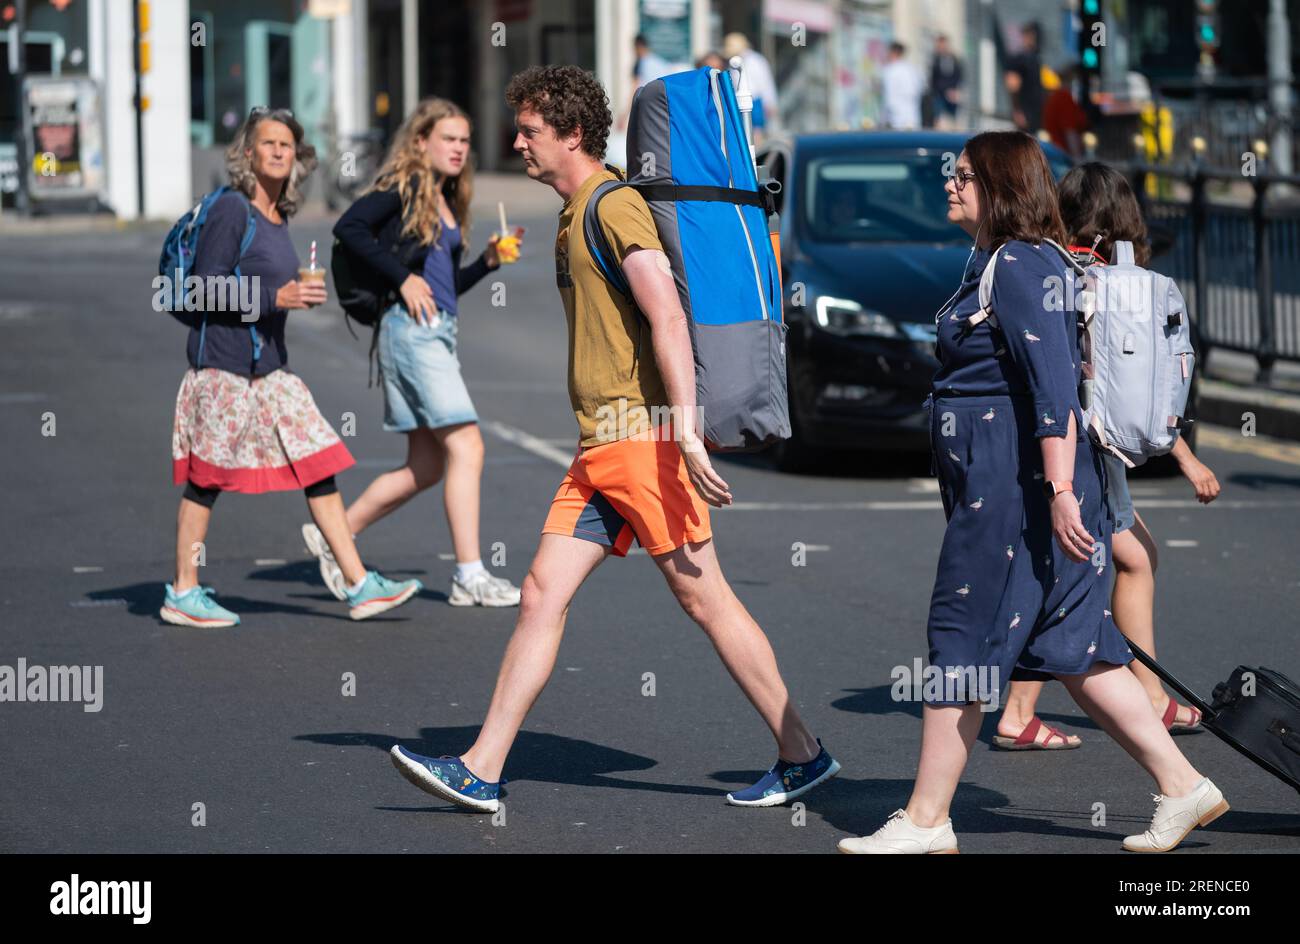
687,141
177,261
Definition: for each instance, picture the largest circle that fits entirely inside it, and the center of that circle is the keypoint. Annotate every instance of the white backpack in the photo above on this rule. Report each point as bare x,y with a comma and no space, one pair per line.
1135,343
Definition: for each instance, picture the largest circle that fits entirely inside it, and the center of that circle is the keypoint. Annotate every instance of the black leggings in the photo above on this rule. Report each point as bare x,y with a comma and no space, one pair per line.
207,497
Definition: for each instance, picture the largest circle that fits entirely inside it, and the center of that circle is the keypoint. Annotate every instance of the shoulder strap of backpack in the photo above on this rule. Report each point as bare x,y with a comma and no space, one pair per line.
597,245
986,292
1122,253
250,230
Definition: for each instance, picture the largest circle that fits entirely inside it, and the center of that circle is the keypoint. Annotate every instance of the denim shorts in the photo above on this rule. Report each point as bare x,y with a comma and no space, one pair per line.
423,387
1117,494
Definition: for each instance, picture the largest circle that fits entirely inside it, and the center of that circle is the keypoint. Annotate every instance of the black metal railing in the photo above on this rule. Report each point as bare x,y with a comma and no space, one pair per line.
1237,260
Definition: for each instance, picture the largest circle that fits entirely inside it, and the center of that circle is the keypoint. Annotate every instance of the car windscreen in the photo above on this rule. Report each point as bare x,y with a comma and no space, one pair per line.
864,198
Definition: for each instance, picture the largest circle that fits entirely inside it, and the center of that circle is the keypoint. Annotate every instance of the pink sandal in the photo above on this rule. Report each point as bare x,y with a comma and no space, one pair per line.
1171,712
1027,739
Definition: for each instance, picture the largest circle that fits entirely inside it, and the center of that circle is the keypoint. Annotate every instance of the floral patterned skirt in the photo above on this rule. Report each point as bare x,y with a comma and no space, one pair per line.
252,434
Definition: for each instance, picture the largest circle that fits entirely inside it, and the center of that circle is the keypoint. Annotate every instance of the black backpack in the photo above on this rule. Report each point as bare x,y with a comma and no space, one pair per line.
363,293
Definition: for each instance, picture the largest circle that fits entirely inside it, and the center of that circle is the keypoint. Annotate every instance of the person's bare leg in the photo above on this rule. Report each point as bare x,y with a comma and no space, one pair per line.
1133,603
191,528
390,491
947,734
560,566
327,511
696,579
1114,698
460,495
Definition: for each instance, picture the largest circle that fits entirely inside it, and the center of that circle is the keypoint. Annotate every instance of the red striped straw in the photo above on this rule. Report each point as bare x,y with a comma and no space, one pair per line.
313,255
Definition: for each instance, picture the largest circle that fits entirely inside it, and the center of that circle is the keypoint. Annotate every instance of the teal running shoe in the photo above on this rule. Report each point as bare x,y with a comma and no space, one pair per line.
195,607
379,595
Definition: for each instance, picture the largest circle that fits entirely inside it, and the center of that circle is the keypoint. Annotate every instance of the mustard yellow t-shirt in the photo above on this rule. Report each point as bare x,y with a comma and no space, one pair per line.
614,382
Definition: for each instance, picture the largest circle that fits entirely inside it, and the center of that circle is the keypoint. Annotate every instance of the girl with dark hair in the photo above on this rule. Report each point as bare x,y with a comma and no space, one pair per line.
1020,591
245,422
1099,209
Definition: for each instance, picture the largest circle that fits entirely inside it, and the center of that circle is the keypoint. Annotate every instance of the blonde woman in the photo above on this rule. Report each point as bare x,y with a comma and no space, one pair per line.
411,228
244,422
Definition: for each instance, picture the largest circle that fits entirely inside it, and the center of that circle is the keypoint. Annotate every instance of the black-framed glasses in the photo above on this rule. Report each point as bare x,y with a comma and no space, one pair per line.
962,178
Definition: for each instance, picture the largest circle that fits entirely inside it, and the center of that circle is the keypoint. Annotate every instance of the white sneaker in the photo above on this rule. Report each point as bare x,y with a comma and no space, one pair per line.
1177,816
900,836
483,590
330,572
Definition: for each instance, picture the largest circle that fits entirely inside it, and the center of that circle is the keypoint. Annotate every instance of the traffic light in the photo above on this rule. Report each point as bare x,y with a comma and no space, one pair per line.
1092,37
1207,35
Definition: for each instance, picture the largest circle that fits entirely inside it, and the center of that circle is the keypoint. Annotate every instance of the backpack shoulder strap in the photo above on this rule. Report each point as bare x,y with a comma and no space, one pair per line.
986,292
1122,253
597,245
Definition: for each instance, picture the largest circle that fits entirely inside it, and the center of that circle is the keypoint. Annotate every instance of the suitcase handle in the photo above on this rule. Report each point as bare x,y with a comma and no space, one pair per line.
1207,712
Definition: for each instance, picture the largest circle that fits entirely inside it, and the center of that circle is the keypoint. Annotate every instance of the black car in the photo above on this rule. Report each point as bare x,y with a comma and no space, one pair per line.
867,256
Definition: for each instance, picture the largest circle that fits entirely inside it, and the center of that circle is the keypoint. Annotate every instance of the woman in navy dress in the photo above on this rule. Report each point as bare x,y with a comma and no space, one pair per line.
1022,579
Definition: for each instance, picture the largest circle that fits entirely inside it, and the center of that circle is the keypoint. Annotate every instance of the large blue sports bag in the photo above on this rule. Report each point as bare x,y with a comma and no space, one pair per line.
686,143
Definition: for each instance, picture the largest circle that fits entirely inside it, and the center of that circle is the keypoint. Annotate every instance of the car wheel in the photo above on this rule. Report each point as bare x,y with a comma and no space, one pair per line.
796,454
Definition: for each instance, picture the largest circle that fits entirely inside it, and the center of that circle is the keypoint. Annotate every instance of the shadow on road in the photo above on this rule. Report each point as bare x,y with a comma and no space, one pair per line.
1261,481
542,758
145,599
880,701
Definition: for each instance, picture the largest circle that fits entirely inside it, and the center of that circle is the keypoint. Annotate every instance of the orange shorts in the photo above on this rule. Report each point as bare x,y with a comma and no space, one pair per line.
630,488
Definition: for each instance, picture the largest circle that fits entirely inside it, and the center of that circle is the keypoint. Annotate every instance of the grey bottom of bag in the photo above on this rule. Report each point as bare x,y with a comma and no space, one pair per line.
740,383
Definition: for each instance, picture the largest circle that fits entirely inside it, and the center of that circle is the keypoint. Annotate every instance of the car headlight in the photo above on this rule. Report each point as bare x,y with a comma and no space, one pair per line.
845,316
920,332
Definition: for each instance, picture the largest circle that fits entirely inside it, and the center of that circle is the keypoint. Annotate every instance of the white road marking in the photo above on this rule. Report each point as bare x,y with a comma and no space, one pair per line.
87,570
531,443
7,398
269,562
1174,542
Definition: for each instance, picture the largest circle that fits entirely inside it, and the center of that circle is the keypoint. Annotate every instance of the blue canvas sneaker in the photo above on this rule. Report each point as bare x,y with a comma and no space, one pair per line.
785,781
448,778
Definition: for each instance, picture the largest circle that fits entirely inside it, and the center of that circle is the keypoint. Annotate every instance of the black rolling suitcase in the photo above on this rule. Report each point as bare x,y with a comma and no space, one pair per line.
1265,726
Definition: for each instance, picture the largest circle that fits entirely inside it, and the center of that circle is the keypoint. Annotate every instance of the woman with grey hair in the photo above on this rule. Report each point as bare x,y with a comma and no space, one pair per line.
244,422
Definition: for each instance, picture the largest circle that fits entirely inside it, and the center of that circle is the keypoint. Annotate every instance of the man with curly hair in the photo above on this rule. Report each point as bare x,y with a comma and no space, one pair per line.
634,476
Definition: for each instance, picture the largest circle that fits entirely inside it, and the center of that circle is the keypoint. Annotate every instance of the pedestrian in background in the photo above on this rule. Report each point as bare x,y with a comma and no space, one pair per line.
1064,119
1024,81
765,119
244,422
419,205
901,88
945,84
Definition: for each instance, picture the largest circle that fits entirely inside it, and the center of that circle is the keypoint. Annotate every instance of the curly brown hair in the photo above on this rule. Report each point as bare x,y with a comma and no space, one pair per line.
569,99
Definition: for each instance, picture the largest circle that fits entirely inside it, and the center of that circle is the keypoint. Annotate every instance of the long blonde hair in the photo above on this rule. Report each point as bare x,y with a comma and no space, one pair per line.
406,158
240,166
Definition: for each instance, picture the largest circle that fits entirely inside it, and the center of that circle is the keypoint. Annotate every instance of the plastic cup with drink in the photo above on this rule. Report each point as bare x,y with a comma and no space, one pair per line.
507,240
312,274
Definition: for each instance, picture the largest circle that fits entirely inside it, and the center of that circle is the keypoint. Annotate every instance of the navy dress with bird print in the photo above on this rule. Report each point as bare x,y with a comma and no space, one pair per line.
1007,601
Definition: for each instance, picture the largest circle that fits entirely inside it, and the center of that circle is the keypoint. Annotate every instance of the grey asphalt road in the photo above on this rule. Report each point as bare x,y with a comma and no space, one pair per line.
252,722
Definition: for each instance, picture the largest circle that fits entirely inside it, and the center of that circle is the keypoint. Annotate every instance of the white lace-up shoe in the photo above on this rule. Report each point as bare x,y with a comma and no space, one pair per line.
1177,816
483,590
901,836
